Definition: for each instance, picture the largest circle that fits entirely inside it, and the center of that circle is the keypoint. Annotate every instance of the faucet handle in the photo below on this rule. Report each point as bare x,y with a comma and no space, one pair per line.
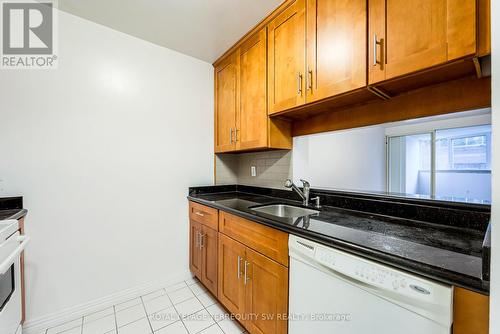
316,199
305,183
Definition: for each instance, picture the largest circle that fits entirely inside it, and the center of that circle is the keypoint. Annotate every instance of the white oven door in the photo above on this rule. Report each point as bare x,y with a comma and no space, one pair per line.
10,283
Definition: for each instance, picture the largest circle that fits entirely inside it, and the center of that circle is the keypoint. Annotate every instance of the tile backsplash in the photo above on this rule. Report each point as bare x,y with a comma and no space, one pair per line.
272,168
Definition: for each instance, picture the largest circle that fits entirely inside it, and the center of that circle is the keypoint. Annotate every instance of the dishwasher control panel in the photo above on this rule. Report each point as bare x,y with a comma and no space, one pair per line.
373,275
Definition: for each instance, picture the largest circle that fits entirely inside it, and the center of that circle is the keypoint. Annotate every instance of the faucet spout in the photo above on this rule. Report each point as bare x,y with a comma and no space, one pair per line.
304,194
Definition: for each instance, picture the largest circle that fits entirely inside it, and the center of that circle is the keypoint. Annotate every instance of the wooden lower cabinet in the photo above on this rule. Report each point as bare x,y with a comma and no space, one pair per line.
194,248
266,295
253,287
209,259
203,258
231,285
470,312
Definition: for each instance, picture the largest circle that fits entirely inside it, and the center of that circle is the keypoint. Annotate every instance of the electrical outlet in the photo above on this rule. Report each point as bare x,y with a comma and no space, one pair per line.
253,171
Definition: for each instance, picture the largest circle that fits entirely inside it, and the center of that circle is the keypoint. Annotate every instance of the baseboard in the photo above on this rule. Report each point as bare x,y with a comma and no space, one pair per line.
35,326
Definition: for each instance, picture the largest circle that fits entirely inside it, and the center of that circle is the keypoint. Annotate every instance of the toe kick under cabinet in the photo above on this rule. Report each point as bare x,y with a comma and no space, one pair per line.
244,264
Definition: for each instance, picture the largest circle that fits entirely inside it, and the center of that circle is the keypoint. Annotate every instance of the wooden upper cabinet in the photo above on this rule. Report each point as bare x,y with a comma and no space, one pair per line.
226,104
336,47
241,119
286,58
252,118
408,36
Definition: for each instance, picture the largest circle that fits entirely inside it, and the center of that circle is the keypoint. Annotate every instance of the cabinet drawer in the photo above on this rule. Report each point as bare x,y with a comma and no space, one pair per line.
203,215
263,239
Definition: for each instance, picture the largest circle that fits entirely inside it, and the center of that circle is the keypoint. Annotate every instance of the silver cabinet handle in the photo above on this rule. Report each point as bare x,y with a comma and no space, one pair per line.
202,243
310,81
199,214
239,267
299,84
376,43
197,241
236,135
231,136
246,278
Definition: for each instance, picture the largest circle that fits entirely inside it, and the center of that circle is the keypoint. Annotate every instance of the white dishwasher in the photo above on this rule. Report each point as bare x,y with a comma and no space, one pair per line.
333,292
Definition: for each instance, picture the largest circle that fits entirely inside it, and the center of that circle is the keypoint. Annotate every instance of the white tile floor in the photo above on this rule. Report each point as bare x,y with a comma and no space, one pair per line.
182,308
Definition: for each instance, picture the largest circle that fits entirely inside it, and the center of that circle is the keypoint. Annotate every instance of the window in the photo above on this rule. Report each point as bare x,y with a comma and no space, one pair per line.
469,153
445,163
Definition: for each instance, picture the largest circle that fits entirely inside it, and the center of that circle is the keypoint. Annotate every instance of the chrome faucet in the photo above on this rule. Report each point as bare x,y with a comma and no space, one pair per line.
304,194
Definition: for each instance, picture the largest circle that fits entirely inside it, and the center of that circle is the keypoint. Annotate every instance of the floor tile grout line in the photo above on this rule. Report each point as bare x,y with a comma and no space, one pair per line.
147,315
217,322
165,289
204,291
175,308
116,321
175,321
204,329
211,316
186,286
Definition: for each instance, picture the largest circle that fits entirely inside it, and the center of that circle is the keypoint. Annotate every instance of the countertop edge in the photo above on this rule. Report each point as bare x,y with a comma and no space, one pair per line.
21,214
471,283
18,215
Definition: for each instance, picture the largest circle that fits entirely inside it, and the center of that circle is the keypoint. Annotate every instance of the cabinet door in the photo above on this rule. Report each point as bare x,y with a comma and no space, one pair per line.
376,41
209,248
195,258
266,290
470,312
226,104
231,292
421,33
336,47
286,58
252,120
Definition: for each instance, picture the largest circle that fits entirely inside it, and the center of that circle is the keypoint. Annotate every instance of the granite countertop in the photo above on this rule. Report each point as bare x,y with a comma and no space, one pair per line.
443,252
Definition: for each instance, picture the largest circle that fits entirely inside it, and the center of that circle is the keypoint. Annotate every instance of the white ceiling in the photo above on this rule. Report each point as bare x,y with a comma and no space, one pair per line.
204,29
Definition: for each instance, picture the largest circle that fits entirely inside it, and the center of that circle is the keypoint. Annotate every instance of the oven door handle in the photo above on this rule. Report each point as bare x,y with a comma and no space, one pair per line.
5,265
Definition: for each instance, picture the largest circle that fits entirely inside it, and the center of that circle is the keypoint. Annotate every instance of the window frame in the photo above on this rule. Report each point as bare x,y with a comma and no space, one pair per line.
431,127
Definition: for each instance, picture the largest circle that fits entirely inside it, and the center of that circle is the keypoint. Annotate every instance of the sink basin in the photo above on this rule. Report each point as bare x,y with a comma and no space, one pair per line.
285,211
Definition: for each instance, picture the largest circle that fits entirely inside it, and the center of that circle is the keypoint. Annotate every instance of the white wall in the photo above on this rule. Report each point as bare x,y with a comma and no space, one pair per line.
103,150
351,159
495,261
